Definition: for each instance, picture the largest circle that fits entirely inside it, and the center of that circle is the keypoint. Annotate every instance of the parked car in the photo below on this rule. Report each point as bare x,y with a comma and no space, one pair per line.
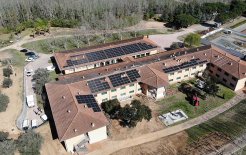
29,53
30,101
25,124
44,117
34,123
24,50
29,73
50,68
29,59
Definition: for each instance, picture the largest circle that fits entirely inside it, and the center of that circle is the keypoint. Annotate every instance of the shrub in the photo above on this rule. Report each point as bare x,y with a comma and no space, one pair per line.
4,100
193,39
111,106
7,147
30,143
7,72
7,82
41,77
3,136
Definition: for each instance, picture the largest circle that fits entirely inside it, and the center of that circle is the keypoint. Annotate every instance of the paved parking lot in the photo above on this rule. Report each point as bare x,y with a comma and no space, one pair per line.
28,113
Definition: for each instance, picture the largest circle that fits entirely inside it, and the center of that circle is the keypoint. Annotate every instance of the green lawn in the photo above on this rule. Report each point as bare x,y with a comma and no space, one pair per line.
238,24
230,123
53,76
61,43
178,101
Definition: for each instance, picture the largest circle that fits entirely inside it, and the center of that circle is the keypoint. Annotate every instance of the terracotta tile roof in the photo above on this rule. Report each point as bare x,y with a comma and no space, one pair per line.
72,119
62,56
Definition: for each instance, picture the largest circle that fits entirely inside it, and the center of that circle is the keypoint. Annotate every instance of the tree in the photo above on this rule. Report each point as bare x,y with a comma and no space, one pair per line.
7,72
222,18
193,39
211,86
41,76
111,107
4,100
30,143
7,82
184,20
7,147
3,136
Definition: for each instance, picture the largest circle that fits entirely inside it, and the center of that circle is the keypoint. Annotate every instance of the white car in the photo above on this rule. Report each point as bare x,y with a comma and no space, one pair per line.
25,124
28,72
34,123
29,59
50,68
44,117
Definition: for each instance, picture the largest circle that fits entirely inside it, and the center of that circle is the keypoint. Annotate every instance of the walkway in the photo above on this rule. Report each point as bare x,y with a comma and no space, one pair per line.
113,146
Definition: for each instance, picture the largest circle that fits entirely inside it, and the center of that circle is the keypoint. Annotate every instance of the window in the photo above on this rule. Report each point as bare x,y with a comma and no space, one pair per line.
123,94
178,78
187,69
147,54
139,89
231,84
217,75
132,91
124,87
224,80
114,97
104,100
180,71
234,79
193,67
113,90
192,73
201,65
104,93
227,74
186,76
219,69
170,80
171,74
131,85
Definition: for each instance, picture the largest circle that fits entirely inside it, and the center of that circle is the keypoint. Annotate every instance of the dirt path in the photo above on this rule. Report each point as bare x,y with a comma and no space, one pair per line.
113,146
8,118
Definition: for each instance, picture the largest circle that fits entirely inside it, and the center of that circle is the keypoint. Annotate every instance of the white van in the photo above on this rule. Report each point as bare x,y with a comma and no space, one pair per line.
25,124
44,117
30,101
34,123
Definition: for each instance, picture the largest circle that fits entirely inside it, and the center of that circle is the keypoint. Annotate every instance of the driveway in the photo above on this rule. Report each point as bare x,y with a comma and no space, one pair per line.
28,113
165,40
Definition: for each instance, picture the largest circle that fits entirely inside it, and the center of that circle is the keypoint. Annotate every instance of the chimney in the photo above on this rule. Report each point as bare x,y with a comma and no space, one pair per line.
87,83
205,54
106,69
68,111
85,106
63,97
75,130
164,64
78,93
92,124
83,77
230,63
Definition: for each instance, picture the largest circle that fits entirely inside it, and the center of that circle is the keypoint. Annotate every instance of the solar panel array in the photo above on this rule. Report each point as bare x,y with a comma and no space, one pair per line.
89,100
124,78
191,63
110,53
98,85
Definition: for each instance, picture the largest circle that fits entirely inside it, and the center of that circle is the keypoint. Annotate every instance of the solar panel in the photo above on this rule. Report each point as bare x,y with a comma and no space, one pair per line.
145,46
132,48
133,75
119,79
114,52
89,100
76,62
95,56
98,85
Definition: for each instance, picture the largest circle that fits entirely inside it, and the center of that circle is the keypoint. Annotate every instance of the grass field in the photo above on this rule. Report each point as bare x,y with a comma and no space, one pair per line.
231,123
62,43
238,24
18,58
178,101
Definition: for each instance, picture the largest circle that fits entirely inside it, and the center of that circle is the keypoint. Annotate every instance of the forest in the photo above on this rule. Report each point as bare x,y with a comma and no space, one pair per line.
16,15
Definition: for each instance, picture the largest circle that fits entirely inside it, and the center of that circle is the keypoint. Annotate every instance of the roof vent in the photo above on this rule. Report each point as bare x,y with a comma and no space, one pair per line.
193,57
78,93
205,54
92,124
123,75
106,69
87,83
83,77
68,111
63,97
164,64
230,63
99,73
85,105
75,130
83,56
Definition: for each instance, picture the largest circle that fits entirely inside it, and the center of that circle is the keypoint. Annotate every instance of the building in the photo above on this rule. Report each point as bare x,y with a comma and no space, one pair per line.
77,96
104,55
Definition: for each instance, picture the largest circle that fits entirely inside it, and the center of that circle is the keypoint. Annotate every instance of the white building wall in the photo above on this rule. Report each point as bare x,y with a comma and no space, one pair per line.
97,135
240,84
160,93
70,143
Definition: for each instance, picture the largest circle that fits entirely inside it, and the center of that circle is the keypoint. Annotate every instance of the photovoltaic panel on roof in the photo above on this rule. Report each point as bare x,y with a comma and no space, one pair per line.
98,85
95,56
114,52
133,75
89,101
119,79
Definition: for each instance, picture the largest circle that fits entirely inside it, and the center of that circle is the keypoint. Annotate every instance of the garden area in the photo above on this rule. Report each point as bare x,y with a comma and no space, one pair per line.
227,126
180,100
